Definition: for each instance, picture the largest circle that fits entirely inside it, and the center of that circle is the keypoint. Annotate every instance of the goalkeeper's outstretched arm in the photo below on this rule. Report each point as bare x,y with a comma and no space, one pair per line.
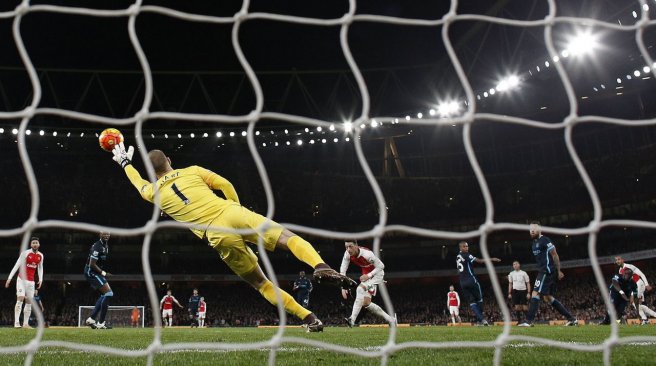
124,159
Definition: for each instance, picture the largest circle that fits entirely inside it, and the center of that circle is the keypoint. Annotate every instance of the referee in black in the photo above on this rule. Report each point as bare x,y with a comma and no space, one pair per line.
519,290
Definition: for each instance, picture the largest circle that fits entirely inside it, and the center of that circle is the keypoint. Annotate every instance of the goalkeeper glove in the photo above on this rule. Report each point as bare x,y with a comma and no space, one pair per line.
122,157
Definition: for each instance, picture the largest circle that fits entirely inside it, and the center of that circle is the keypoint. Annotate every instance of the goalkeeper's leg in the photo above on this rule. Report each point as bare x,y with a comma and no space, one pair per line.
258,280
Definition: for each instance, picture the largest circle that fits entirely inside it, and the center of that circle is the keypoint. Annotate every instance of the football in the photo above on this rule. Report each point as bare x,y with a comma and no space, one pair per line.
109,138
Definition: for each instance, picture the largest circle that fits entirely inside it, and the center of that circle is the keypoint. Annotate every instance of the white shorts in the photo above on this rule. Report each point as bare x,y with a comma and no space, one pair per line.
641,289
201,315
26,288
454,310
371,285
167,312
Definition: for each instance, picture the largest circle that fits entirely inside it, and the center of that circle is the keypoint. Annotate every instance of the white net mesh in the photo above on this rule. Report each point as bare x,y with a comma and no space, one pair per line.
467,119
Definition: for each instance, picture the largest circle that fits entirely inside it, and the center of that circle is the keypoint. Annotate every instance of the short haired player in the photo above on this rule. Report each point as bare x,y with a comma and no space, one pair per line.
469,283
372,275
549,273
202,311
519,290
97,279
642,285
33,261
453,304
186,195
166,306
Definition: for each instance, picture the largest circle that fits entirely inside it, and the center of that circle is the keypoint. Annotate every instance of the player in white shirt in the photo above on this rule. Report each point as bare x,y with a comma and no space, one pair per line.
519,290
166,305
33,260
372,276
453,303
643,285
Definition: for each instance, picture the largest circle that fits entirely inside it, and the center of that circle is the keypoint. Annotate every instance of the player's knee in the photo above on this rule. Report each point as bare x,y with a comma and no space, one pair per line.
109,294
366,301
360,292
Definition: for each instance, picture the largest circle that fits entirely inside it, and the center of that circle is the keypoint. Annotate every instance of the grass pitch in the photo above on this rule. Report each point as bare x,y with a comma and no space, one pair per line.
364,339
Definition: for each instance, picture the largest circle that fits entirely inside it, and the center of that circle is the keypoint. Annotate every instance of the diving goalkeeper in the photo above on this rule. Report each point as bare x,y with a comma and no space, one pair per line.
186,195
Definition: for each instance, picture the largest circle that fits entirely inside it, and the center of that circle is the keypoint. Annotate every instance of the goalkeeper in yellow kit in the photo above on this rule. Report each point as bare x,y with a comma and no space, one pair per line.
186,195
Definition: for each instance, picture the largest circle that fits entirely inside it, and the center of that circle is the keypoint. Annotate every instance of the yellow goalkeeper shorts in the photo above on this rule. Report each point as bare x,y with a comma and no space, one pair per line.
232,247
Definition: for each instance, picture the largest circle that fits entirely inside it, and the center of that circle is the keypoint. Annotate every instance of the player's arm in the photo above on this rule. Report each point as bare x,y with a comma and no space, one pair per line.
481,261
93,263
15,269
378,266
144,187
447,300
161,303
310,284
458,298
616,285
176,301
124,159
346,260
217,182
527,280
637,271
556,259
509,286
40,272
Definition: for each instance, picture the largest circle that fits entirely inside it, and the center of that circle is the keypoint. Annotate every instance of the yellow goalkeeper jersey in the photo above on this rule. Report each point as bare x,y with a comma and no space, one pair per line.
186,194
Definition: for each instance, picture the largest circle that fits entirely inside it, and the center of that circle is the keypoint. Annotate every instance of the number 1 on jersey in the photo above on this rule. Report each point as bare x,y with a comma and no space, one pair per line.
179,193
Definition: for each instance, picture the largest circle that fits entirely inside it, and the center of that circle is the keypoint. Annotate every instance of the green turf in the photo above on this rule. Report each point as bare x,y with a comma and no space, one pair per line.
368,339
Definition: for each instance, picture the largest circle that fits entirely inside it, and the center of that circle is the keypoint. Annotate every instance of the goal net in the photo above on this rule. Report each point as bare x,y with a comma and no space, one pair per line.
469,117
117,316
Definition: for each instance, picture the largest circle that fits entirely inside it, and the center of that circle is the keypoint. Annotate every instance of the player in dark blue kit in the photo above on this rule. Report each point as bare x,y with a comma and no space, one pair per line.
469,283
192,307
549,273
303,287
96,277
623,291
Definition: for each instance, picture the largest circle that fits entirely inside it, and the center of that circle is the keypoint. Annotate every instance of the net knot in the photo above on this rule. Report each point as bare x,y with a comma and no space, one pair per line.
142,115
22,8
133,9
241,15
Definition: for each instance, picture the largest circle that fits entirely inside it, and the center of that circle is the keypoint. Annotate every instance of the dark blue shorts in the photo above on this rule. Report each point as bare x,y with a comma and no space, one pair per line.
95,280
545,283
472,291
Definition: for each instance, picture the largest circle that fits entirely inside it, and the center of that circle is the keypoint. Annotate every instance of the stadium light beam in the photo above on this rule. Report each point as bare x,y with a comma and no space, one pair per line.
582,44
446,109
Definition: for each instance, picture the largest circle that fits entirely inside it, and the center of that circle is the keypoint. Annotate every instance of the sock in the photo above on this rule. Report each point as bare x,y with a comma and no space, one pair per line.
105,305
17,311
96,308
518,314
477,310
380,312
357,304
304,251
532,309
647,311
561,309
170,321
453,319
26,314
291,306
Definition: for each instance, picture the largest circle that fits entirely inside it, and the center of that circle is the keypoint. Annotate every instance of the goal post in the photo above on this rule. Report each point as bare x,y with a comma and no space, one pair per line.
117,316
